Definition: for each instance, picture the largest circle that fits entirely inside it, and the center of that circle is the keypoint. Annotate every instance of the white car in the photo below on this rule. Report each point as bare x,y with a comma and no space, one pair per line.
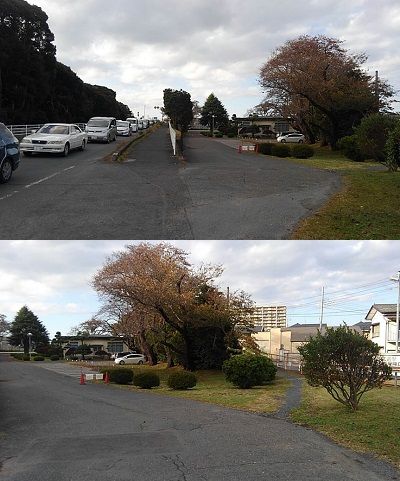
130,359
294,137
124,128
54,139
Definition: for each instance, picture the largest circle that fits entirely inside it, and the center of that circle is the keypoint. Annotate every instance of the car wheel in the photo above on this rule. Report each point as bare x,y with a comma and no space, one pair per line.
28,154
283,141
121,363
140,362
83,146
5,171
66,150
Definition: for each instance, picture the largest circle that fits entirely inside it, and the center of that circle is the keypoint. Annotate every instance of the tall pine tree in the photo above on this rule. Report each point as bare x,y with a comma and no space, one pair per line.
26,322
214,113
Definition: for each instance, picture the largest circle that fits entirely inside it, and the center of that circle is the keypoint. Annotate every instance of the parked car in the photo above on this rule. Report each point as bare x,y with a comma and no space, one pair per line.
134,124
122,354
9,154
294,137
54,139
130,359
102,129
124,128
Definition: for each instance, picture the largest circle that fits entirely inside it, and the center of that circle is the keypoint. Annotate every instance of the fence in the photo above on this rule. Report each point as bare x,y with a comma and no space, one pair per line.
173,137
287,360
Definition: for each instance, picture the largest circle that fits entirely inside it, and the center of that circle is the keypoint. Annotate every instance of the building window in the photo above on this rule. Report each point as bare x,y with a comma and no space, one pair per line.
376,330
115,347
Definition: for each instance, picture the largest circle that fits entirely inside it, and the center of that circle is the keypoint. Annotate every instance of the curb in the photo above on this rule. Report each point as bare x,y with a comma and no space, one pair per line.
116,156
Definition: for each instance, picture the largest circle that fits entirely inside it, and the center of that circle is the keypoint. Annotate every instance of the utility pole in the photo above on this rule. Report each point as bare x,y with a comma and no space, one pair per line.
397,279
228,297
322,309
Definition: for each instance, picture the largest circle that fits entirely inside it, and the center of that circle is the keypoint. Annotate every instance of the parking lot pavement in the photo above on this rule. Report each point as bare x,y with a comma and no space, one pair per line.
66,369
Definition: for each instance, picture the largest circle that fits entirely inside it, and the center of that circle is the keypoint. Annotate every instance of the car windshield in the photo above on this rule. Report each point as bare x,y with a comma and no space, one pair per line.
54,129
123,124
98,123
5,135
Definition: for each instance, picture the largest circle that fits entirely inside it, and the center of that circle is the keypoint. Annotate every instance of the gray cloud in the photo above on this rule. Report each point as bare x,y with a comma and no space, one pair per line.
208,46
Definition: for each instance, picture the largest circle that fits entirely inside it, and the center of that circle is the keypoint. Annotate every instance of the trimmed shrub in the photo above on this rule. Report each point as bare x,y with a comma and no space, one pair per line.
54,358
120,375
265,149
280,150
231,135
349,146
38,358
248,370
182,380
146,380
302,151
26,357
372,135
392,149
219,135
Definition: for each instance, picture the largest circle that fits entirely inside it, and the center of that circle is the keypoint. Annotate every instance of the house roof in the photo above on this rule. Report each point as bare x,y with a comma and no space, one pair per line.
362,326
302,332
388,310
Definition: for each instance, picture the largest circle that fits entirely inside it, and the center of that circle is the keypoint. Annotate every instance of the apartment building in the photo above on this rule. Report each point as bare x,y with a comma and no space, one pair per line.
268,317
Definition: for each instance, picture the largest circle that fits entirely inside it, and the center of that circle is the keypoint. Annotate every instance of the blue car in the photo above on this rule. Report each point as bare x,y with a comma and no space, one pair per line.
9,154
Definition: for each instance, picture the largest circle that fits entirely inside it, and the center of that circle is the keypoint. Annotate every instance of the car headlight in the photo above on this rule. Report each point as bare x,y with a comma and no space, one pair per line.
55,142
25,140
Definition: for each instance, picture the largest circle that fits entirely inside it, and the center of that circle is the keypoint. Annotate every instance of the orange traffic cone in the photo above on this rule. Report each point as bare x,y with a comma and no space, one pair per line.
82,380
107,378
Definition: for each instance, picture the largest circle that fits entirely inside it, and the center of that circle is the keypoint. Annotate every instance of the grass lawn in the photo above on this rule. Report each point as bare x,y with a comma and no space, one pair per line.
368,207
211,387
374,428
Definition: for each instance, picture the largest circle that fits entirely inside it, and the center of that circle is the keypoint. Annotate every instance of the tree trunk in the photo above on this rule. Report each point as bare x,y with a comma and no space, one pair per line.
170,360
147,349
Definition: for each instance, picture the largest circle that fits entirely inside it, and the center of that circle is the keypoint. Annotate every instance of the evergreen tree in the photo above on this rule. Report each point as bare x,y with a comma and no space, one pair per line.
26,322
214,113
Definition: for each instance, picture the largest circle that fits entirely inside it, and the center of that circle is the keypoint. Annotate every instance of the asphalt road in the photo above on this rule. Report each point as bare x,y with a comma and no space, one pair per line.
215,193
54,429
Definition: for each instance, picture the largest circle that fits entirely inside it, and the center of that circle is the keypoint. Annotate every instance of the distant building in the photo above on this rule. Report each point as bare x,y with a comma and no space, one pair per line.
267,317
110,344
276,125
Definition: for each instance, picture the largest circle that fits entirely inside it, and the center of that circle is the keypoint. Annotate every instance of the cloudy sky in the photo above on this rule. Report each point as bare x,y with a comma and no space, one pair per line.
53,277
138,48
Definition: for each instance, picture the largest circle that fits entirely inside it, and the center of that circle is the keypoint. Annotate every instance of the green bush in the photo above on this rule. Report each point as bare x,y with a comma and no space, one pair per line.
231,135
349,146
38,358
392,149
182,380
219,135
121,375
26,357
302,151
372,135
248,370
265,149
54,358
280,150
146,380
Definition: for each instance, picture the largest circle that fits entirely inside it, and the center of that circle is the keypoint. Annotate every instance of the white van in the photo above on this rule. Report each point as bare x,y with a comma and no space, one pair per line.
134,123
102,129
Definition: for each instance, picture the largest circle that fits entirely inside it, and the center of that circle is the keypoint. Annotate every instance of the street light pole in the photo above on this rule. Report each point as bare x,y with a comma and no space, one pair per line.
30,344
